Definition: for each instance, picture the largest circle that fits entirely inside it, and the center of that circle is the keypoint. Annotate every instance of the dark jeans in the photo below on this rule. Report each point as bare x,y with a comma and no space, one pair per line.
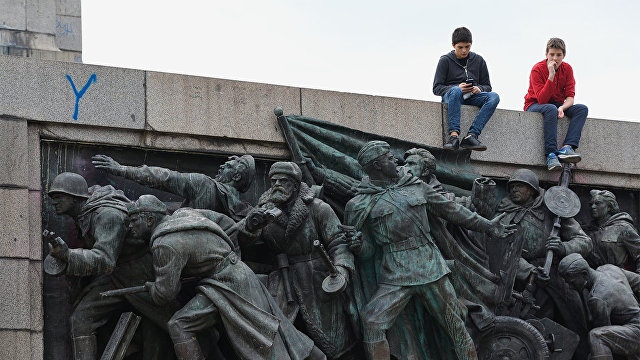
577,113
486,101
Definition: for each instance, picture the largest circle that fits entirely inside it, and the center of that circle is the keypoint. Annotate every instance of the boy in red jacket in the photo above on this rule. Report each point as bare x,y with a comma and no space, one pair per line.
551,92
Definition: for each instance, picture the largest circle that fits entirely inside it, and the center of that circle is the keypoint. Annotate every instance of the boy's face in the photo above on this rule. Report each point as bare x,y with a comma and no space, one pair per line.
555,55
461,49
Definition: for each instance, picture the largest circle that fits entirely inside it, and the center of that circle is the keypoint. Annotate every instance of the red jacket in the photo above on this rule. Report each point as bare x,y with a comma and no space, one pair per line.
543,91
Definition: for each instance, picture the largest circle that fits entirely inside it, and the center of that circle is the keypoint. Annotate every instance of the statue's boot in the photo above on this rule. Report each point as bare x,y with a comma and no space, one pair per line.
316,354
85,347
189,350
378,350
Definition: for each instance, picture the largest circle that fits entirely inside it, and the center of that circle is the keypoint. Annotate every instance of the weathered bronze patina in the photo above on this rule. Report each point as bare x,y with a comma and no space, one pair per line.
189,244
300,268
112,260
200,191
399,259
612,298
615,239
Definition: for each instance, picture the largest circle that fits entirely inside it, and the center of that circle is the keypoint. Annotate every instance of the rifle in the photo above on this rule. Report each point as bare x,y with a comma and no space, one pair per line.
563,203
125,291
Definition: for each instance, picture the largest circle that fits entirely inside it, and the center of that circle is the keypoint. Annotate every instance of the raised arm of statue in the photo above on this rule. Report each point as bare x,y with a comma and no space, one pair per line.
187,185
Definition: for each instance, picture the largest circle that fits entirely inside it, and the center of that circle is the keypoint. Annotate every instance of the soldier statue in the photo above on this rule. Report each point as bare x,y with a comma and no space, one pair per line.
189,244
110,257
422,164
296,281
392,211
526,208
612,298
220,194
615,239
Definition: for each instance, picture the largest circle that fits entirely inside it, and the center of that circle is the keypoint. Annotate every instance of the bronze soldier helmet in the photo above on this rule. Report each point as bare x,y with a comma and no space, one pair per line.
525,176
71,184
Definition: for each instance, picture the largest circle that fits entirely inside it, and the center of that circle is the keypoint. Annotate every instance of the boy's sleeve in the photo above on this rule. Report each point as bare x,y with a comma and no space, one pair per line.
483,82
439,80
570,87
542,86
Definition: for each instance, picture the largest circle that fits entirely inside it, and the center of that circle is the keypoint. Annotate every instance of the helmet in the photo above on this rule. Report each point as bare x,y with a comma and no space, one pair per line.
69,183
525,176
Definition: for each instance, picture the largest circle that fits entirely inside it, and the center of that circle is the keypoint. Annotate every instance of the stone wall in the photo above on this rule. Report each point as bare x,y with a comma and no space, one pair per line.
114,106
41,29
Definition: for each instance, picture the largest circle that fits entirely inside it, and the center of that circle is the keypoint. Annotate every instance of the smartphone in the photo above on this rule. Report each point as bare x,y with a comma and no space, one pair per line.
469,81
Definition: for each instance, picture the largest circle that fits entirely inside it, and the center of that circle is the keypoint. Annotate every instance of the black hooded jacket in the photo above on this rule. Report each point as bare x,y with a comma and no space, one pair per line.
450,73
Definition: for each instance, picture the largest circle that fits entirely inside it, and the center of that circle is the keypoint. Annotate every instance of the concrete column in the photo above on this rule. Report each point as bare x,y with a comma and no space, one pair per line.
21,314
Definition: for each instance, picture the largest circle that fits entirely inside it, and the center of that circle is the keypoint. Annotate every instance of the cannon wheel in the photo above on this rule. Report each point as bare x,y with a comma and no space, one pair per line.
511,339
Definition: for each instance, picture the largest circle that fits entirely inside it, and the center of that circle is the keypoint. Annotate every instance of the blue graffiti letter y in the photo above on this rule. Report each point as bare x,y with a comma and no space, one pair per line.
79,94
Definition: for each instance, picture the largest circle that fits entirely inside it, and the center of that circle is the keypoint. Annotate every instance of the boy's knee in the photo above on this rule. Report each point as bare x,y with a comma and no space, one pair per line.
581,108
454,91
548,109
493,98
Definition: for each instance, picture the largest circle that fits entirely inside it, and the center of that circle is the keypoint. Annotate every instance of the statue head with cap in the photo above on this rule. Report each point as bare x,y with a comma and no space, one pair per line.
144,215
286,178
377,161
576,271
238,171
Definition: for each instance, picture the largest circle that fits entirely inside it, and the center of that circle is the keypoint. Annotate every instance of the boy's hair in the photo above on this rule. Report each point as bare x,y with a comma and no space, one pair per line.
556,43
461,34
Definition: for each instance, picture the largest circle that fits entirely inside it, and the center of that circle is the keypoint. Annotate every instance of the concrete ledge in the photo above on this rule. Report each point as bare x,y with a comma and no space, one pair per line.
410,120
517,138
216,107
39,90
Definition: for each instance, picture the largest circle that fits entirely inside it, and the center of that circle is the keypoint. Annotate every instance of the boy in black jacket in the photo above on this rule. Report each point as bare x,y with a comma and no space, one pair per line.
462,78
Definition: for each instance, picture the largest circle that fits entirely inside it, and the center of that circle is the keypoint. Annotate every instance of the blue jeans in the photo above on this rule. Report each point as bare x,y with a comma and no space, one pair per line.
486,101
577,113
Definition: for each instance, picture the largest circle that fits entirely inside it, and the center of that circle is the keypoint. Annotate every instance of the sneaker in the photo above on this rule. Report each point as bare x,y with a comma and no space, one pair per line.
566,154
552,162
453,143
471,142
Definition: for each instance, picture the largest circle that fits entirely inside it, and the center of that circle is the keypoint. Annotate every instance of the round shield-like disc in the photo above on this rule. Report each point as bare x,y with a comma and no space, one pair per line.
562,201
334,284
54,266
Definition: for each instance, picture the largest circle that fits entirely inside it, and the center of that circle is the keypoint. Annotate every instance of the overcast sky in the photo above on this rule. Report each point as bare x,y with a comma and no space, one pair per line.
388,48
